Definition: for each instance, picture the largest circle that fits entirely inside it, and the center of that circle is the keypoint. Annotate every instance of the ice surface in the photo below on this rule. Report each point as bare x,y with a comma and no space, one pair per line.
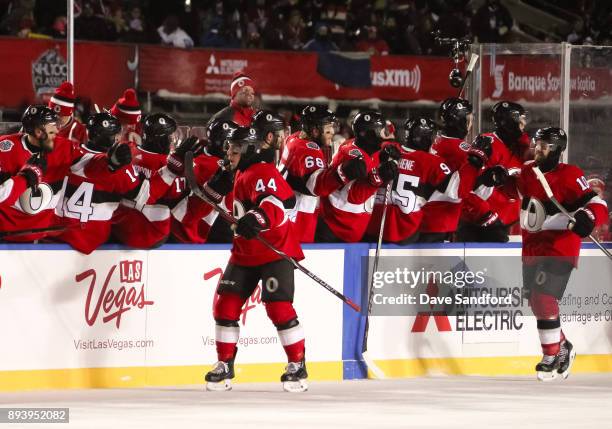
582,401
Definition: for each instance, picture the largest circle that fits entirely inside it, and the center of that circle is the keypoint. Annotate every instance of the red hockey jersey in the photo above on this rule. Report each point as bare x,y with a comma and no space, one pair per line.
347,210
261,185
545,232
144,222
20,208
304,167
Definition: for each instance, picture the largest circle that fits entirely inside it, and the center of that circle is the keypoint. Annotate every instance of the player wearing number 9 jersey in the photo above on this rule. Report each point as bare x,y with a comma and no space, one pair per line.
421,176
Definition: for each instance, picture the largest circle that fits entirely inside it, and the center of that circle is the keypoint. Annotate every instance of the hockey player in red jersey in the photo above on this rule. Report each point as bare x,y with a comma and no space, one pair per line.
144,222
242,97
33,166
422,176
262,199
551,243
345,213
62,102
304,165
194,221
489,217
91,201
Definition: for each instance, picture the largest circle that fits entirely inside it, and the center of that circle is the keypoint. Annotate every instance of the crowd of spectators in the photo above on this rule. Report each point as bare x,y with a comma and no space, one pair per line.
375,26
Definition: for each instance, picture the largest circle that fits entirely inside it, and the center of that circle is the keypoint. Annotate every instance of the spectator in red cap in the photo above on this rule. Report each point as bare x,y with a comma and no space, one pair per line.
62,102
127,110
240,109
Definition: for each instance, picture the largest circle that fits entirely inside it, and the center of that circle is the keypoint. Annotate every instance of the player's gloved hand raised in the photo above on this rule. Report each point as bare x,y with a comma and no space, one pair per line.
585,222
219,185
33,170
480,151
176,160
494,176
252,223
352,169
118,155
388,170
389,152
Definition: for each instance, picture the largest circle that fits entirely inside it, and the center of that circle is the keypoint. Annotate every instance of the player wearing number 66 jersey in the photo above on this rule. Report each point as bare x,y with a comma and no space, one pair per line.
304,165
421,176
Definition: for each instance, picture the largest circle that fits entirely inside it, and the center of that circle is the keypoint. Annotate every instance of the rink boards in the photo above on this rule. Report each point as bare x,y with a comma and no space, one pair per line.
129,318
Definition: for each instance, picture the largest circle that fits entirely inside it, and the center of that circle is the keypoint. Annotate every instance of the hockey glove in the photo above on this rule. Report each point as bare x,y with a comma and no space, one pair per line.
480,151
219,185
352,169
389,152
388,170
119,155
585,222
252,223
176,160
33,170
494,176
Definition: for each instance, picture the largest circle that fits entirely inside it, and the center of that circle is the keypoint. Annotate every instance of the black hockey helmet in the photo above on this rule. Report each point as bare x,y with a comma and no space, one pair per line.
265,122
507,117
37,115
158,132
216,134
249,140
316,117
419,133
101,131
368,126
556,138
454,113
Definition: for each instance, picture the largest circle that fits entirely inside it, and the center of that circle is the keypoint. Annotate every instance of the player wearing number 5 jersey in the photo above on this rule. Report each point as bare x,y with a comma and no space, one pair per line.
422,176
262,201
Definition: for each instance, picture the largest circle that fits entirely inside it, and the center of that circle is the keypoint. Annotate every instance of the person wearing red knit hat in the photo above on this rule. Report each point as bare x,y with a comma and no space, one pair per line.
127,110
62,103
240,109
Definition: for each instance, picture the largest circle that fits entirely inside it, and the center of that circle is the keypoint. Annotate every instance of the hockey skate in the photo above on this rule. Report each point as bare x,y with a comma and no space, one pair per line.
219,378
567,354
294,378
547,368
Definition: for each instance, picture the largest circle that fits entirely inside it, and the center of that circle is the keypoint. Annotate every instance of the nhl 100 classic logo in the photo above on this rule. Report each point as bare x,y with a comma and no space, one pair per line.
48,72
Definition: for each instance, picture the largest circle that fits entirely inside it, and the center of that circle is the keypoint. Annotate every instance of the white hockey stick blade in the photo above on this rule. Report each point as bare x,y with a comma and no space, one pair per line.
372,367
472,64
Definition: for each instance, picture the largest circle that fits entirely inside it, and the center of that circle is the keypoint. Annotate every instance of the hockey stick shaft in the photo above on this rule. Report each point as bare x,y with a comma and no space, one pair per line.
470,68
549,193
195,188
21,232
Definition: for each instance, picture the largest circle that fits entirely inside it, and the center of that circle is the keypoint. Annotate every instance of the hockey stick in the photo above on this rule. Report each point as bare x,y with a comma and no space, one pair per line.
57,228
195,188
551,197
471,65
376,371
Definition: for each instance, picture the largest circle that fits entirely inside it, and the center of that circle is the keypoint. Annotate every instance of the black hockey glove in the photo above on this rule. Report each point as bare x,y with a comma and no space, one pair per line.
352,169
388,170
389,152
118,155
219,185
585,222
252,223
33,170
176,160
494,176
480,151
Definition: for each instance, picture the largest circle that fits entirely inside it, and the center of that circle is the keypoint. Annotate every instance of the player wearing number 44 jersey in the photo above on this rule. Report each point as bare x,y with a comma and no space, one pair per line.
262,200
551,243
33,166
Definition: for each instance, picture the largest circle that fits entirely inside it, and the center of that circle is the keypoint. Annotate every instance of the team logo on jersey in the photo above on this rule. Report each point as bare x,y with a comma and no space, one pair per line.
464,146
355,153
49,70
533,217
34,202
312,145
6,145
